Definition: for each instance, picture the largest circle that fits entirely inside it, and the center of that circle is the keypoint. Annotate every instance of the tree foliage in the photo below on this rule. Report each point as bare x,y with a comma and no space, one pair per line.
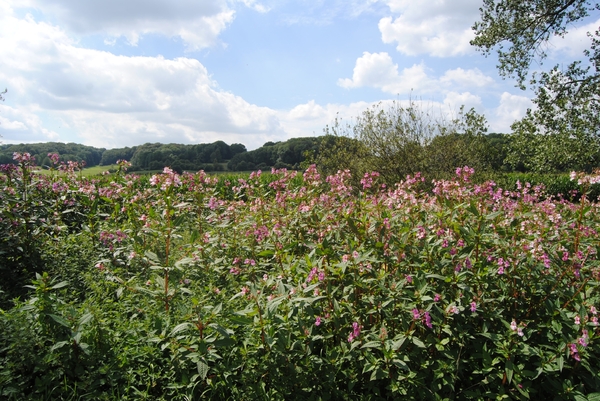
401,140
288,154
566,100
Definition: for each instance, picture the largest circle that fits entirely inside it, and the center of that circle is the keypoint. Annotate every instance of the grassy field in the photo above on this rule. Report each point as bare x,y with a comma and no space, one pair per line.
86,172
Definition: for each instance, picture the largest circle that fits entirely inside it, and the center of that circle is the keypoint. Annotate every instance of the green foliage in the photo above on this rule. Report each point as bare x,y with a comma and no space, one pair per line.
68,151
404,140
290,286
289,154
561,133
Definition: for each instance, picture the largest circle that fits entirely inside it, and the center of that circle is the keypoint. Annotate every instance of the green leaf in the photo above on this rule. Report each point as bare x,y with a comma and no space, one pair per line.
60,320
152,257
372,344
85,318
60,285
398,343
593,397
561,362
509,370
58,345
180,327
418,342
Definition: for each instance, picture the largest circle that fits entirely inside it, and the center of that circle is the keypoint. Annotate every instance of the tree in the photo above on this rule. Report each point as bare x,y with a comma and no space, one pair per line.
562,131
401,140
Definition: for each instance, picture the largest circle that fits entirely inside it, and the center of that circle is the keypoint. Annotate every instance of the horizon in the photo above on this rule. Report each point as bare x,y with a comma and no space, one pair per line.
243,71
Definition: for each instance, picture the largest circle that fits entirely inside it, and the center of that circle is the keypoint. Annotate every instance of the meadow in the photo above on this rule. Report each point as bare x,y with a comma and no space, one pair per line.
293,285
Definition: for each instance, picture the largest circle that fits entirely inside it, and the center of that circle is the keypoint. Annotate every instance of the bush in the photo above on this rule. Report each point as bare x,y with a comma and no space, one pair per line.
291,286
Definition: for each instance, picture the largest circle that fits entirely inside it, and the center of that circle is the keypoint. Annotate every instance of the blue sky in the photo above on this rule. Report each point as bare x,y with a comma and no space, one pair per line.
124,72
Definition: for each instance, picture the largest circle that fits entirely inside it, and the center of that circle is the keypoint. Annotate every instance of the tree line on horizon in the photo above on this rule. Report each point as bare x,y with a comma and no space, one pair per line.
395,142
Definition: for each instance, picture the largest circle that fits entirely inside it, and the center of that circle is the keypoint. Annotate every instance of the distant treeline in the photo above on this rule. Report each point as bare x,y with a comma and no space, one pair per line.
215,156
219,156
68,152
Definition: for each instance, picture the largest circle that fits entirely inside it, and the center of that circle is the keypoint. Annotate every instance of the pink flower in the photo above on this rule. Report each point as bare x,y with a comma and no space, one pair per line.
437,297
409,279
416,314
574,352
355,332
513,325
356,329
473,306
318,321
577,320
427,319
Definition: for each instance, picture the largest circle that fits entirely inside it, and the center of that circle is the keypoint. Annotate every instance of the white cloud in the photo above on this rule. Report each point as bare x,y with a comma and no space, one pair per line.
574,42
114,101
467,78
510,109
261,8
307,111
440,28
454,100
377,70
198,23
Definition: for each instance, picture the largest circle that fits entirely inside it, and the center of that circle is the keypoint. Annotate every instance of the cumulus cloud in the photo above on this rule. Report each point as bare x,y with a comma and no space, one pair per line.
442,28
575,41
197,23
472,77
454,100
510,109
377,70
110,100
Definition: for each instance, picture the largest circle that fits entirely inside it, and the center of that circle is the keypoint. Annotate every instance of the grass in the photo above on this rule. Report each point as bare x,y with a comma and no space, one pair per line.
86,172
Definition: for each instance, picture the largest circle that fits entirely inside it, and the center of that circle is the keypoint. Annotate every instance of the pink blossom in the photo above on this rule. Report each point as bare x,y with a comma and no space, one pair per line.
473,306
427,319
318,321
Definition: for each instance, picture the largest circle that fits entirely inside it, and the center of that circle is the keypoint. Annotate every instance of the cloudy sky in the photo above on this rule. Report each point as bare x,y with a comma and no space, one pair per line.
117,73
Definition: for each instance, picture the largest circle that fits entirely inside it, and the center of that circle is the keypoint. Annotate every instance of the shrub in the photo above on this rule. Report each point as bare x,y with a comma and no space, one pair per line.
297,286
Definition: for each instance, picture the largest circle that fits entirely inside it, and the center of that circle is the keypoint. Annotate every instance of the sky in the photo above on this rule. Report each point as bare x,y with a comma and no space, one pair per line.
118,73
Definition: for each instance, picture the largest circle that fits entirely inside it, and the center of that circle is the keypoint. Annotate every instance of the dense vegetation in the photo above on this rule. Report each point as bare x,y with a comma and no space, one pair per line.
356,278
562,129
216,156
40,151
295,286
